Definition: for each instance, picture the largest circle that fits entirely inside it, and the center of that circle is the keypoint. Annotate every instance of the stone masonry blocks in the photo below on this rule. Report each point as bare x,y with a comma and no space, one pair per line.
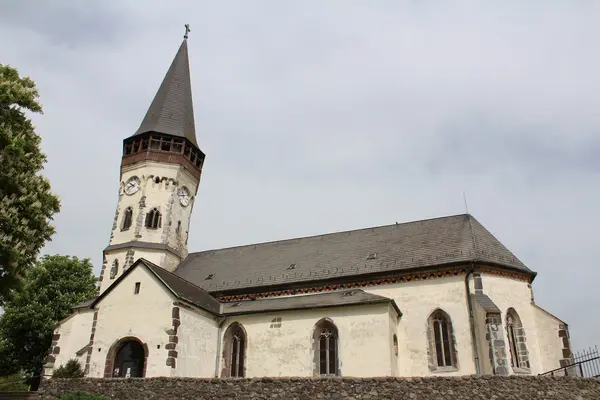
497,346
173,339
430,388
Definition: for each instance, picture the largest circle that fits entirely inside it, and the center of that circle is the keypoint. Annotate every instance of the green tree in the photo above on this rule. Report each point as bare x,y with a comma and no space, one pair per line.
49,291
26,202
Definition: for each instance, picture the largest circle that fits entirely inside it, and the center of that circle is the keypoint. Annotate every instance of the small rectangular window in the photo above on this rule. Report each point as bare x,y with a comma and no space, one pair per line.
137,288
276,322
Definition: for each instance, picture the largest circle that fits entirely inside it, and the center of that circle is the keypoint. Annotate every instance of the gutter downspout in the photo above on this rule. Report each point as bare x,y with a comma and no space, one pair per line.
472,320
220,320
469,303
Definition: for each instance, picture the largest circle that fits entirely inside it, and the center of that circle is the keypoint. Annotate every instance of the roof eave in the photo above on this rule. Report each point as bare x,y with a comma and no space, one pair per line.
312,307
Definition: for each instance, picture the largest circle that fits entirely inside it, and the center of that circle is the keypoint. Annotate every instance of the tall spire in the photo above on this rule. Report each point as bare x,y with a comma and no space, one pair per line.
172,111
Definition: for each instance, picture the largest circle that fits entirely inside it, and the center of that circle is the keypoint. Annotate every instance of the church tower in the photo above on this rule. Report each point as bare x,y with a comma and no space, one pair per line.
160,173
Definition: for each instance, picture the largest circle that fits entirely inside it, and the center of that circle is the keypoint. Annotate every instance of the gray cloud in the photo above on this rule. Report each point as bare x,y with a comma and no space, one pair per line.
325,116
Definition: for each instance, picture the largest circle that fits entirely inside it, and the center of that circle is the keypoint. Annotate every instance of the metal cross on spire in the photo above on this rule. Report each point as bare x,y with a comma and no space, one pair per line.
187,30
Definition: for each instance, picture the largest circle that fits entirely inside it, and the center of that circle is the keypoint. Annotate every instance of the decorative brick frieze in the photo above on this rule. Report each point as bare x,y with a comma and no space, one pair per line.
397,277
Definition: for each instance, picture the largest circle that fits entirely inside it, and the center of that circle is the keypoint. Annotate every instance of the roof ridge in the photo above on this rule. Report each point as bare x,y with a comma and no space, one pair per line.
474,241
176,276
196,253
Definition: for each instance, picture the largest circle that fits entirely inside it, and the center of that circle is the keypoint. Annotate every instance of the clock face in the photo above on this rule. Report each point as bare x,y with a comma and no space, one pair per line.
184,196
132,185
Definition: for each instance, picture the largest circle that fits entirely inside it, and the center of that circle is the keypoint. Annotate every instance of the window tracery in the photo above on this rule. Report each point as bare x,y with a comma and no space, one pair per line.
442,349
326,348
153,219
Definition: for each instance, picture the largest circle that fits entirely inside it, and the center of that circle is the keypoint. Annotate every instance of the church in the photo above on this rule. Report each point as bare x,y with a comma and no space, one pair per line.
438,297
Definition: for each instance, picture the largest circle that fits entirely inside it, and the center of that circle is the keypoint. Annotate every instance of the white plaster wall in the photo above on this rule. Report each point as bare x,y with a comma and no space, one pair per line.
197,347
549,343
158,195
162,196
507,293
364,342
74,335
417,300
145,316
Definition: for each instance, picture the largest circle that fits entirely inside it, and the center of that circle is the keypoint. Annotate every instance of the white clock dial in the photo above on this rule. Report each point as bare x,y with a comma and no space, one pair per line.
184,196
132,185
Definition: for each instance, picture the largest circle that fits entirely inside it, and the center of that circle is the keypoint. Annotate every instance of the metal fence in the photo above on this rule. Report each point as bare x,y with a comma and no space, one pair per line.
586,364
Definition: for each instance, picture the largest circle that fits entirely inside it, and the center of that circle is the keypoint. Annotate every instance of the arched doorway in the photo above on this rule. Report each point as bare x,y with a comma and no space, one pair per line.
129,360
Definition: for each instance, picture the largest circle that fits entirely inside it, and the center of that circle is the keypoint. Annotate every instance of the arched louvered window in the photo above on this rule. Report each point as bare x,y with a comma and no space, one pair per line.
127,219
326,339
234,351
153,219
519,356
114,270
441,341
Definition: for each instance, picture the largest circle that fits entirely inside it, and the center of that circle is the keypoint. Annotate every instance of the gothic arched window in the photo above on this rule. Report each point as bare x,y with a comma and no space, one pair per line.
326,339
442,349
114,270
127,218
153,219
519,356
234,351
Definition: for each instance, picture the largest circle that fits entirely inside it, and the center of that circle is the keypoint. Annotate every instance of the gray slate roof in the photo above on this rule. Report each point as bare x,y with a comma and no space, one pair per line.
406,246
172,111
303,302
486,303
181,288
185,290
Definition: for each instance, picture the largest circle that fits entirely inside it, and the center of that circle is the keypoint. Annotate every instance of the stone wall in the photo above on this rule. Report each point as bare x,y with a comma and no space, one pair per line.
450,388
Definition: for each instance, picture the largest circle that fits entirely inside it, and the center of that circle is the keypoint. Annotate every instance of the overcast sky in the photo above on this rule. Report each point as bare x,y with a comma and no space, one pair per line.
320,116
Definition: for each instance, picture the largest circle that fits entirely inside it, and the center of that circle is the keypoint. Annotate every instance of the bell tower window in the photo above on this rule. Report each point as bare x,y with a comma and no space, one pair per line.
153,219
127,217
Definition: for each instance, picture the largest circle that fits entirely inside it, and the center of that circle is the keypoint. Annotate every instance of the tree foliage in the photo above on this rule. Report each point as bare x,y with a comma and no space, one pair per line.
13,383
49,291
26,202
72,369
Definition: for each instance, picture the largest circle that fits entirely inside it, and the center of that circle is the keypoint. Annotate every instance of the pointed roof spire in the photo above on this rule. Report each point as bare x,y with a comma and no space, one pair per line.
172,111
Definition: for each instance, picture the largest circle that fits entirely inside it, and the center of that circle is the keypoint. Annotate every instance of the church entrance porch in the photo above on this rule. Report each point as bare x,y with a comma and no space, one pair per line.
127,358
